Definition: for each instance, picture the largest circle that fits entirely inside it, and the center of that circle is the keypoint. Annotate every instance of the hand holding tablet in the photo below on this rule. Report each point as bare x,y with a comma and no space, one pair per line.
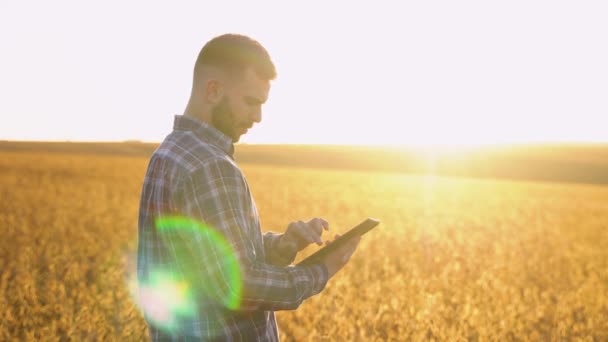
340,242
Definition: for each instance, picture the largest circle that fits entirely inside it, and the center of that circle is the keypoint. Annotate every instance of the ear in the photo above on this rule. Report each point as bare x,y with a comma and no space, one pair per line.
214,91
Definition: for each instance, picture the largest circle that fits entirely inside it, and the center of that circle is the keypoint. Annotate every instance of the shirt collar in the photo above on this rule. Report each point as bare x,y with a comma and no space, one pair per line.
205,132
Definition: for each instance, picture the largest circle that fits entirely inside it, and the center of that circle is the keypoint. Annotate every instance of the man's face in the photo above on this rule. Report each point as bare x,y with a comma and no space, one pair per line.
241,105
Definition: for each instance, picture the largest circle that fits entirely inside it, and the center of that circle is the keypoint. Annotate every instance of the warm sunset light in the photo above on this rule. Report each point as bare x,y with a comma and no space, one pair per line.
458,73
207,170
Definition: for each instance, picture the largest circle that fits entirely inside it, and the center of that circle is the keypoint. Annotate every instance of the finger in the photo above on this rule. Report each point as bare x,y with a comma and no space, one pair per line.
335,238
325,224
316,226
316,239
304,233
314,231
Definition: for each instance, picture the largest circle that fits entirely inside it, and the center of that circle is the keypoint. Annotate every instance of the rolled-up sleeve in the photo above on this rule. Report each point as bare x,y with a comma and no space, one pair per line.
215,195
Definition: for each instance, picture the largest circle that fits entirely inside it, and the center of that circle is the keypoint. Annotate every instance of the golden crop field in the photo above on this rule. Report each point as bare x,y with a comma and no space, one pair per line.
453,259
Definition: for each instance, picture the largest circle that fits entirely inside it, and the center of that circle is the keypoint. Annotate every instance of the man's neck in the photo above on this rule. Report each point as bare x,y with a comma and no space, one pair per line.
197,113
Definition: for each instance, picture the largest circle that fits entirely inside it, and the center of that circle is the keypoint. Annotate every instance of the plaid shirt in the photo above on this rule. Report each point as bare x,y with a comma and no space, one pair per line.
192,174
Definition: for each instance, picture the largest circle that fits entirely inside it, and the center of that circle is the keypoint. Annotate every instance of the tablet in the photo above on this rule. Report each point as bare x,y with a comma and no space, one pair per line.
359,230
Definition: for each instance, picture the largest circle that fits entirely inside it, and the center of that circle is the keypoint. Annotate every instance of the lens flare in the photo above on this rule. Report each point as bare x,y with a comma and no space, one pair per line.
170,295
165,299
214,243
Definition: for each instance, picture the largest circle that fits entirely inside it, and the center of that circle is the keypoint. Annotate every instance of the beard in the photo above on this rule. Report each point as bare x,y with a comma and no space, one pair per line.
222,118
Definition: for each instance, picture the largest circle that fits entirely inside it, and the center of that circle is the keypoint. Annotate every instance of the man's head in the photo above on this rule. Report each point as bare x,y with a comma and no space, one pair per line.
232,78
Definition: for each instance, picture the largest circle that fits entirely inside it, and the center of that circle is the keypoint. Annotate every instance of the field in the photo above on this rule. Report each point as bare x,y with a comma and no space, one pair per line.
453,259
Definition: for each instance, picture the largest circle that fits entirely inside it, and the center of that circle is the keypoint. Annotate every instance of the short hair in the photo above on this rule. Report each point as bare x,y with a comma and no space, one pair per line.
234,53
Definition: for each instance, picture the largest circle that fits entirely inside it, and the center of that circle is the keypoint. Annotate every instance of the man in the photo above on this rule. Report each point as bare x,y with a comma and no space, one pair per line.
205,270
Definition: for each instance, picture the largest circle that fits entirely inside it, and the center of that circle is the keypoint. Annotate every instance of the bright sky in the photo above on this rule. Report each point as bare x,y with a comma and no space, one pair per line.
373,72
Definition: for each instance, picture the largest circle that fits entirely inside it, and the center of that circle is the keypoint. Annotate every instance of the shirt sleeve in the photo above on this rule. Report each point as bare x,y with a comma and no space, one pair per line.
216,195
271,242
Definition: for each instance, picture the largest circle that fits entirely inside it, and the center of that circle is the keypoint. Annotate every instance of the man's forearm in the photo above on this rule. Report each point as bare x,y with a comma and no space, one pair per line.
278,253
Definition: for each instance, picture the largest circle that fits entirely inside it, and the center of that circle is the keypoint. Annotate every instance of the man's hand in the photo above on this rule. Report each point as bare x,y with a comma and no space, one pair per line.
300,234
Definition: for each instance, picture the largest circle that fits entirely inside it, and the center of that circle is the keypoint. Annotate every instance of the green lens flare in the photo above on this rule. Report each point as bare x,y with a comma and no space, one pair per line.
168,296
211,243
165,299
